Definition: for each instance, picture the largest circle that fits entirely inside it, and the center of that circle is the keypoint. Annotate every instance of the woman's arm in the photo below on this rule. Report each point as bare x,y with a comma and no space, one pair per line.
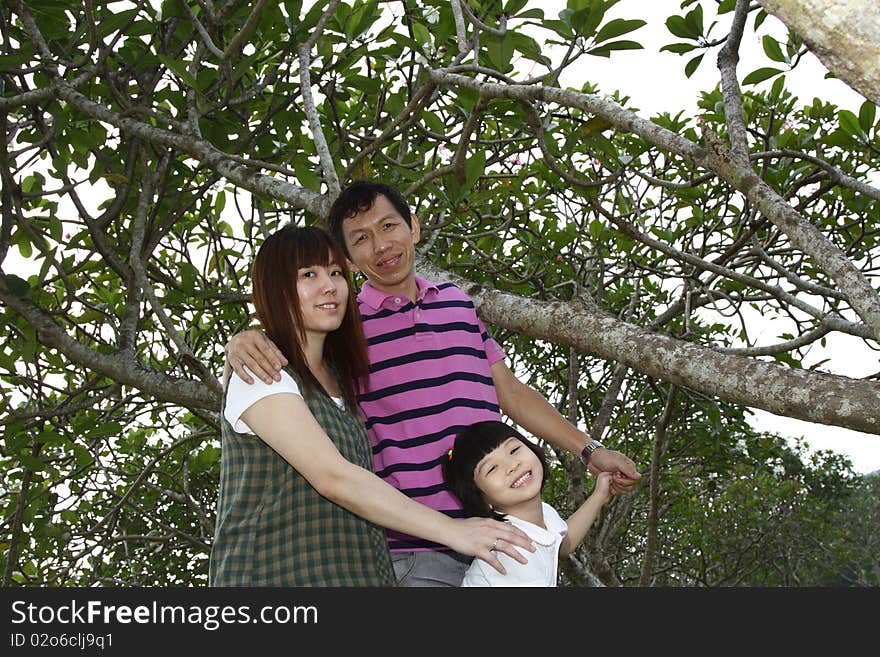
285,423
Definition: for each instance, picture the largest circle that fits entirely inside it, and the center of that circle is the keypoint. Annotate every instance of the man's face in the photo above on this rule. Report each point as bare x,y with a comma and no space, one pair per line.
381,246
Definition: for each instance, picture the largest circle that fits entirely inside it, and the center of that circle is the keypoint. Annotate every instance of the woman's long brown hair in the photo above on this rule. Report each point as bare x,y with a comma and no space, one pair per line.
274,276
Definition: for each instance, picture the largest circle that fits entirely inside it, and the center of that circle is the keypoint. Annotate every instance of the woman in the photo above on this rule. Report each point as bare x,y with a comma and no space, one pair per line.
299,504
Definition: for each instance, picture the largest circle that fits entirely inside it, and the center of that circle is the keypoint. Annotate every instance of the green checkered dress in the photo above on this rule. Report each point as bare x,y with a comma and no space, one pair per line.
274,529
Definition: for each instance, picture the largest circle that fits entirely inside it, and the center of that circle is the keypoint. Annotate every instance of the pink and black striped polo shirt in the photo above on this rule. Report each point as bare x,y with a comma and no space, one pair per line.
429,378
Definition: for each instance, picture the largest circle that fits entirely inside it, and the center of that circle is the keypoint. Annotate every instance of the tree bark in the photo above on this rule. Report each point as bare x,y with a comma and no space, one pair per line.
843,34
803,394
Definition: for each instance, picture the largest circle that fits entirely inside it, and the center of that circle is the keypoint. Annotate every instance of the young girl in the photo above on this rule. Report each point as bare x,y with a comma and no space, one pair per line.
496,473
298,498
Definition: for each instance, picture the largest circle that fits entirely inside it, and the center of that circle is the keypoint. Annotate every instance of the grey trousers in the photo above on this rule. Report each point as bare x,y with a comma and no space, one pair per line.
430,568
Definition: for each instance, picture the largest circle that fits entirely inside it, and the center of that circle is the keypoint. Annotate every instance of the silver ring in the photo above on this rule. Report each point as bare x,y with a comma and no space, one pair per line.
494,545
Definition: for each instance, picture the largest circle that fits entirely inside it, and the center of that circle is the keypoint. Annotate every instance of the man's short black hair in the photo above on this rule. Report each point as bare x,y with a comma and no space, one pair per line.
359,197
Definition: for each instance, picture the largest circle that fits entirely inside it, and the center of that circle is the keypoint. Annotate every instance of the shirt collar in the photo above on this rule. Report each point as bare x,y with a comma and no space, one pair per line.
375,298
538,534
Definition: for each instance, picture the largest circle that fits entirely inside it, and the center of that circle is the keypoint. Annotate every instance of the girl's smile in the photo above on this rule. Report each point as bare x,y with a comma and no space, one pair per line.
509,478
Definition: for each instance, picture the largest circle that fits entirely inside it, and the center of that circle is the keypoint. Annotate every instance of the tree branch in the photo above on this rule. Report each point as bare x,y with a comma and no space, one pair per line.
802,394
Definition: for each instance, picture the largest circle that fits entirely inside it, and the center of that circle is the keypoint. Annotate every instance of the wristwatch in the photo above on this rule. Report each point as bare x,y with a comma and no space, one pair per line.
591,447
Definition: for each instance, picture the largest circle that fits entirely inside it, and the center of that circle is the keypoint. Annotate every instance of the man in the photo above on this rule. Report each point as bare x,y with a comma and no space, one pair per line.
434,370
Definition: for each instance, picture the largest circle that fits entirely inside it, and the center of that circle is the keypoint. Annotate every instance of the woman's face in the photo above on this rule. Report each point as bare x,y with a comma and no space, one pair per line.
323,296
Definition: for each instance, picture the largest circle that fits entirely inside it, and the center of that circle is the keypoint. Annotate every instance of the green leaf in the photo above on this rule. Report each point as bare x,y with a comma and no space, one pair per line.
24,246
32,463
760,17
867,116
83,456
532,13
773,49
51,19
788,359
694,20
421,34
306,175
32,182
500,51
467,98
293,8
13,61
778,86
679,27
140,28
529,48
170,9
760,75
179,69
363,18
605,49
617,27
562,28
204,459
585,21
115,21
849,123
474,167
692,65
679,48
105,429
592,126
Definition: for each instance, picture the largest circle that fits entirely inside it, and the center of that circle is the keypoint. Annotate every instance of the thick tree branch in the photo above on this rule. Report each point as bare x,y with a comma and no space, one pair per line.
842,34
119,367
728,58
327,166
657,450
806,395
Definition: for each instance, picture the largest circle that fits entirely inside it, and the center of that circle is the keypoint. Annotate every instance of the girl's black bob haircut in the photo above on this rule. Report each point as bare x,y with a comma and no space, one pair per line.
471,445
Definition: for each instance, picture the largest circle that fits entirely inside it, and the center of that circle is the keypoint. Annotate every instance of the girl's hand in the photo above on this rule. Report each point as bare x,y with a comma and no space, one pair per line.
626,477
604,483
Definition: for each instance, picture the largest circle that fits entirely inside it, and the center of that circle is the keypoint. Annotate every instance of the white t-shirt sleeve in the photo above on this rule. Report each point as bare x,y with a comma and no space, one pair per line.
240,396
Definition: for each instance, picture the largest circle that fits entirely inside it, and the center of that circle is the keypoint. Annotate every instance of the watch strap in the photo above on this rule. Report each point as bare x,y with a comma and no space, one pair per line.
587,451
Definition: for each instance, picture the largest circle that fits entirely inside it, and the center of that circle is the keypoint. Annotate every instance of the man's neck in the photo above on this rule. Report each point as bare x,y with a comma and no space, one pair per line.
409,289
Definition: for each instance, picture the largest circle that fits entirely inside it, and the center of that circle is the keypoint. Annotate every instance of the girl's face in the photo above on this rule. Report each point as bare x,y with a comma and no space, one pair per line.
508,476
323,295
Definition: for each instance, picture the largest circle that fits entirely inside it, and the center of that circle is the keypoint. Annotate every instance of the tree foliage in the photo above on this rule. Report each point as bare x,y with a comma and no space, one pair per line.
624,261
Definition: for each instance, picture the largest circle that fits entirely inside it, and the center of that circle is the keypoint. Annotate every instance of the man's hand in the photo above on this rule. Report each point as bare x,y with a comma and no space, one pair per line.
254,350
624,476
